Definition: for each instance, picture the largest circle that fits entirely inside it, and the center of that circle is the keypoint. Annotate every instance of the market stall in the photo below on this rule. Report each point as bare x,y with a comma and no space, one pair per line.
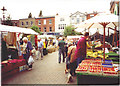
11,62
101,65
94,71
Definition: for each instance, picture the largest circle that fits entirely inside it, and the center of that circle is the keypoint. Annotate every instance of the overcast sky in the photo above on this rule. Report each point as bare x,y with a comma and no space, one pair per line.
19,9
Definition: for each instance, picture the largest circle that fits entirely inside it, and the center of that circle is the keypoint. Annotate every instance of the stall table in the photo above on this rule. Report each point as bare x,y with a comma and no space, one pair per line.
97,72
96,79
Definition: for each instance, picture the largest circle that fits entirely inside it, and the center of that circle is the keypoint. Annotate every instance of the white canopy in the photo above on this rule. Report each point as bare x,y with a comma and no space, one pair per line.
94,23
102,17
5,28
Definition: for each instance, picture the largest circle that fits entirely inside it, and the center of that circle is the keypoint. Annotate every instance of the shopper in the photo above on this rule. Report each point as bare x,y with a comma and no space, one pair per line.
73,63
80,52
61,45
27,48
40,47
46,42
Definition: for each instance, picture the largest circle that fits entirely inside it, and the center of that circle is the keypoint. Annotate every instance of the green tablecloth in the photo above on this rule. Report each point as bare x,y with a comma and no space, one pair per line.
96,79
112,54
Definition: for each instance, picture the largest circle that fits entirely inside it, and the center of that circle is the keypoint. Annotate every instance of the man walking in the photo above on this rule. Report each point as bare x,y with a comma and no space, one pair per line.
61,50
40,48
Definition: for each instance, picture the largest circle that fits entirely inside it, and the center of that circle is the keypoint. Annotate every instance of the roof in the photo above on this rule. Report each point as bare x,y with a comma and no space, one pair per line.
45,17
26,18
77,13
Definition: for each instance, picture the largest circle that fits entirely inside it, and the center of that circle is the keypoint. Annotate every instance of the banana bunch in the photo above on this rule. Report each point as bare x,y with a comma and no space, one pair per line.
101,56
100,51
91,54
99,45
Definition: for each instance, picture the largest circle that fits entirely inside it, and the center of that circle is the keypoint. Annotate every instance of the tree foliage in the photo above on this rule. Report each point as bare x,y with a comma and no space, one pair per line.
36,29
30,15
69,30
79,33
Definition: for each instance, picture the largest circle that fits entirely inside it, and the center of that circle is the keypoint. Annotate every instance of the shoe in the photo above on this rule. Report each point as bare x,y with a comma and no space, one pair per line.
41,58
59,62
66,71
36,58
69,78
30,69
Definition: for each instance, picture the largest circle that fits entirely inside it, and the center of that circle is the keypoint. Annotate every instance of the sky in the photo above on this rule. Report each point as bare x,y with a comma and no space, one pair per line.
19,9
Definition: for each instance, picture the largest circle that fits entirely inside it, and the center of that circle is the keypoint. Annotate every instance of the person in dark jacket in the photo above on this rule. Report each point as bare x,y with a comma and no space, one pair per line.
61,45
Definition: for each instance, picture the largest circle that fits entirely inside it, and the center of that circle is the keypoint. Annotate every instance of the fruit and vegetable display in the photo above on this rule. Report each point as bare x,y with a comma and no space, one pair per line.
97,66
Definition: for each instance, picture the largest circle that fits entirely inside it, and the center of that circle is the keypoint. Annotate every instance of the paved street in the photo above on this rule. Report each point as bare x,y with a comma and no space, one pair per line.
46,71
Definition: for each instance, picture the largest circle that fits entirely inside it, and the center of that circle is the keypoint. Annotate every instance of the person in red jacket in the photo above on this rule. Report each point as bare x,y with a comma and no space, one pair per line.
80,52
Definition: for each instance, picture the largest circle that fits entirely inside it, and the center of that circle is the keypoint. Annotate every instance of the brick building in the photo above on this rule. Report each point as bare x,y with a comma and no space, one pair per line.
26,23
46,24
90,15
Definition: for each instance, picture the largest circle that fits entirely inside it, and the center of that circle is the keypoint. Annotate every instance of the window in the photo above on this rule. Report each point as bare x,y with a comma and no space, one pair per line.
39,22
62,19
44,29
83,19
50,29
59,26
15,24
26,23
50,21
40,28
31,22
78,20
72,20
44,21
92,15
22,23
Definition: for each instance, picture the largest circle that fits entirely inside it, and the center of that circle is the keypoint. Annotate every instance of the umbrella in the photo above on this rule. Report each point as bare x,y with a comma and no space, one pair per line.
102,20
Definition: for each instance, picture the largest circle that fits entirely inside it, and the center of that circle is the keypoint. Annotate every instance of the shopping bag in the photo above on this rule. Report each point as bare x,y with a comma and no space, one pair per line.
37,54
30,60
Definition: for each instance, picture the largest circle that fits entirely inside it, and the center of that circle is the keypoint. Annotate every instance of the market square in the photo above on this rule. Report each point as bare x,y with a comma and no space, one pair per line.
75,45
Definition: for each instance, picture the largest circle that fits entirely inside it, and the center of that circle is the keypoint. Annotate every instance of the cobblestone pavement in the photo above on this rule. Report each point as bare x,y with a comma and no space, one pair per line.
46,71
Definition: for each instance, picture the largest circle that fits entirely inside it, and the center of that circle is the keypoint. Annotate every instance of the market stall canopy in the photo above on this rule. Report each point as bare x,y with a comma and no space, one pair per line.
102,21
5,28
94,30
46,36
101,17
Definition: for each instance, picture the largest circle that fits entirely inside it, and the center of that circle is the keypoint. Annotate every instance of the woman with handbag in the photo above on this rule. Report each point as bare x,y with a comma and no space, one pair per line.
27,48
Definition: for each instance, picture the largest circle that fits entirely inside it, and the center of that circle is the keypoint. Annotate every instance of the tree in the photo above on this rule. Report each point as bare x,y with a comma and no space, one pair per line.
69,30
8,21
40,14
36,29
79,33
30,15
